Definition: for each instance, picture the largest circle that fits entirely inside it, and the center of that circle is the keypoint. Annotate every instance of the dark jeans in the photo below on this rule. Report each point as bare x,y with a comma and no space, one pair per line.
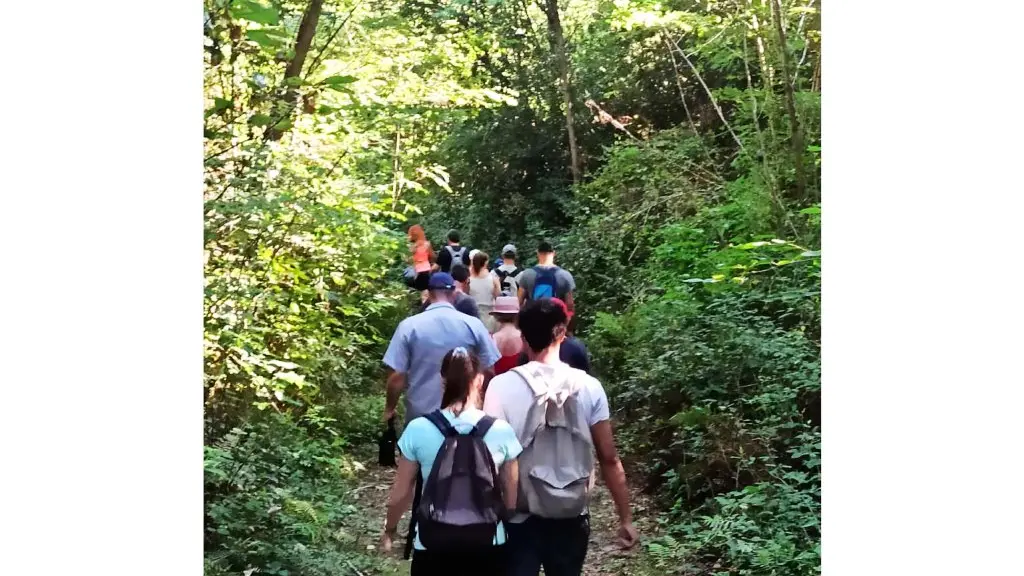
488,561
558,545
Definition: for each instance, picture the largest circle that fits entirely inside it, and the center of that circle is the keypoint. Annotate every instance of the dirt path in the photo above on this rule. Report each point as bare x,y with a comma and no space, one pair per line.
604,558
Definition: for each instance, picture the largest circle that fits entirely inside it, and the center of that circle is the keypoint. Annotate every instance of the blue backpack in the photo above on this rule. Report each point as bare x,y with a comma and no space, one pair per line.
545,284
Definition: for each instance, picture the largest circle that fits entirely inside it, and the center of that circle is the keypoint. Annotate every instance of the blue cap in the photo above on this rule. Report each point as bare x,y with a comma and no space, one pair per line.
441,281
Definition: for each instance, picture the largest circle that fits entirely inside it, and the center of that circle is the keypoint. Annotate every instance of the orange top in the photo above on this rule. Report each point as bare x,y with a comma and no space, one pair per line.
421,257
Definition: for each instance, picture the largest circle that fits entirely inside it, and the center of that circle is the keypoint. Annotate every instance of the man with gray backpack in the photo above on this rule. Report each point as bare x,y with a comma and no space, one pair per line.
453,255
560,416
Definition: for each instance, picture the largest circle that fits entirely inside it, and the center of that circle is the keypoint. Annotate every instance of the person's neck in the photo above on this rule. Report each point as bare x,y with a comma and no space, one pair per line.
472,401
509,261
549,261
548,355
453,244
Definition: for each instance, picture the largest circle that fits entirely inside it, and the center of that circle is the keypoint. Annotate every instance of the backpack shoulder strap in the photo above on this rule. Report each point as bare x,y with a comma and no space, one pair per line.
482,426
437,419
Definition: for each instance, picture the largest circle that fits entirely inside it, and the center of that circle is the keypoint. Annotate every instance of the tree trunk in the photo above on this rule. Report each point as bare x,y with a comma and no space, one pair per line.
304,39
557,40
797,138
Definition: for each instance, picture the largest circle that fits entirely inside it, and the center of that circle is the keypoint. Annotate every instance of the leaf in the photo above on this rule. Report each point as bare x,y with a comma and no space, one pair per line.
264,38
255,12
283,125
811,210
338,82
811,254
751,245
294,306
222,104
291,377
260,120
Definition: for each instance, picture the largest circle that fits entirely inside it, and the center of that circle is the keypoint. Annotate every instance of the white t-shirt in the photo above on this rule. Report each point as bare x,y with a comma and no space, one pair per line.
509,398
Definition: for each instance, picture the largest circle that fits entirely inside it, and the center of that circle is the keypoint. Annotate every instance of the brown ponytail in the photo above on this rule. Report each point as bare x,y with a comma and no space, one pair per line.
458,369
479,261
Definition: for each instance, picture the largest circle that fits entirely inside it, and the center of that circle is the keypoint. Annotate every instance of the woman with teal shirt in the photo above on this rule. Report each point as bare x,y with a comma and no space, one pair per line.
462,401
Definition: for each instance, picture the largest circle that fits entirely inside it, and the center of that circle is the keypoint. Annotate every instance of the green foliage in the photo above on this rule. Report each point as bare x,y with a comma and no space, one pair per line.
277,502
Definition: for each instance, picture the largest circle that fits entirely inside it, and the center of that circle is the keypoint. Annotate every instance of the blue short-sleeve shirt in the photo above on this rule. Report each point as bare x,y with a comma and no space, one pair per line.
421,440
421,342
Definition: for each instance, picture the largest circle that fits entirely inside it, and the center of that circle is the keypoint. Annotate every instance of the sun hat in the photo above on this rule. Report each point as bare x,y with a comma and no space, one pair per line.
441,281
506,305
508,249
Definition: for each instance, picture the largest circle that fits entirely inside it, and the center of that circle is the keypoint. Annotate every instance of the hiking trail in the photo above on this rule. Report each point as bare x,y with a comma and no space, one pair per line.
604,558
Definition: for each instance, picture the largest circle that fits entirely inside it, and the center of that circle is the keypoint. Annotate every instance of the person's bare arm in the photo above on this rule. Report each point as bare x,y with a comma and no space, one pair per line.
400,499
570,302
396,383
497,286
510,483
614,478
522,296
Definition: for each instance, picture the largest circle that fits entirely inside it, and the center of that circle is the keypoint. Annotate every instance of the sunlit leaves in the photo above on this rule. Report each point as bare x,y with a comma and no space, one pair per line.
254,11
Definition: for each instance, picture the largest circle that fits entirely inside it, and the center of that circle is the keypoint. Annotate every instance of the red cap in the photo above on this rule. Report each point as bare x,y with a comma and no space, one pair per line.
560,303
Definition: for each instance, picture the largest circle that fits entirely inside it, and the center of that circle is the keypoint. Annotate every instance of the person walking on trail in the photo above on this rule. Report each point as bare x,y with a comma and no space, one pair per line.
507,270
418,347
421,341
422,257
560,416
545,280
453,255
466,486
484,288
462,302
572,351
507,337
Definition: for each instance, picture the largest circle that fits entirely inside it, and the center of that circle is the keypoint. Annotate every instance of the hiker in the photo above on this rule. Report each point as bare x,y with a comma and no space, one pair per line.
421,341
545,280
560,416
483,288
453,488
507,270
572,351
422,257
453,255
462,301
507,337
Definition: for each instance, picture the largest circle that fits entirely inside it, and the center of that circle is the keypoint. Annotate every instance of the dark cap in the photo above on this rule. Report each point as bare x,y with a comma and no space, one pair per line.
441,281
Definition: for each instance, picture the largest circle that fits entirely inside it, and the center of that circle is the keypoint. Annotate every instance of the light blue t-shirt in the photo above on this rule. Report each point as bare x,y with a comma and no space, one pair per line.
420,344
421,440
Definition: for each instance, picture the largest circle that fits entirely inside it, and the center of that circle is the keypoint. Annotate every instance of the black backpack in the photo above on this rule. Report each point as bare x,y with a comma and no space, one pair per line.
461,504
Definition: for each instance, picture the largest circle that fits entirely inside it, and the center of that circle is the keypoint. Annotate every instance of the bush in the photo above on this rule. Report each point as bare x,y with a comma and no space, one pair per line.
276,501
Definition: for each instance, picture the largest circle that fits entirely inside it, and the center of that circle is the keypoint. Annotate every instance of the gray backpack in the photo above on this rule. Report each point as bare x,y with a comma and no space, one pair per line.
461,504
457,255
558,452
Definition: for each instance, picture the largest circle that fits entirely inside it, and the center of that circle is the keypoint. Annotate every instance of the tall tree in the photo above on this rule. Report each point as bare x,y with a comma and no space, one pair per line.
797,137
561,57
303,40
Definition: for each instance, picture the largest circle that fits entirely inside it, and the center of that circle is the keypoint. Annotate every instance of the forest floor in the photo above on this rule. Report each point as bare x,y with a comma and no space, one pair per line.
604,557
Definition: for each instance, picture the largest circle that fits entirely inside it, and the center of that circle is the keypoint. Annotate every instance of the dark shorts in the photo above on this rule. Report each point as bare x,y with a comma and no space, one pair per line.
421,280
559,545
480,562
